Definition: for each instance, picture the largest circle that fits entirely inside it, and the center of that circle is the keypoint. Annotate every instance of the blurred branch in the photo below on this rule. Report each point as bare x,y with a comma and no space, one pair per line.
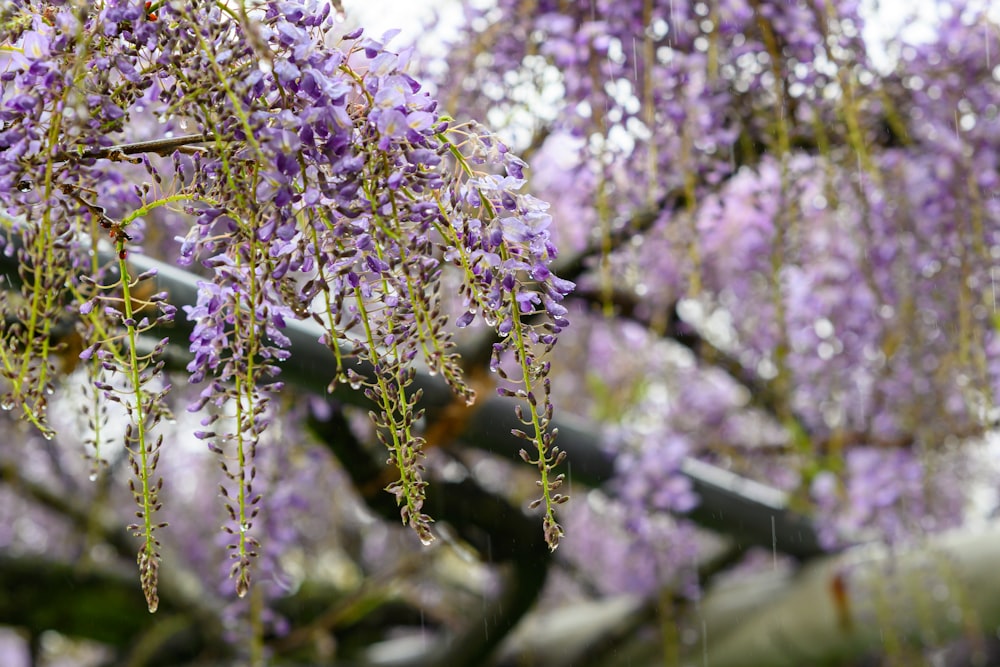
68,507
875,598
102,604
98,603
585,633
179,588
502,534
754,515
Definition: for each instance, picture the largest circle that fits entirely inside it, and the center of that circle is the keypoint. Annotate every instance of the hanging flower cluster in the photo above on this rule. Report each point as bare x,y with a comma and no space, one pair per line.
818,220
321,181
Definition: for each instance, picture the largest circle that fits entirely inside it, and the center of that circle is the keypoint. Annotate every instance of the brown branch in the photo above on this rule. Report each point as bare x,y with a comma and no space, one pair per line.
156,146
179,587
501,532
65,506
728,505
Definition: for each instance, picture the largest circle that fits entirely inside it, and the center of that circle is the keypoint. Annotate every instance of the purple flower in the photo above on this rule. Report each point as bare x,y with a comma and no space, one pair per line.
391,124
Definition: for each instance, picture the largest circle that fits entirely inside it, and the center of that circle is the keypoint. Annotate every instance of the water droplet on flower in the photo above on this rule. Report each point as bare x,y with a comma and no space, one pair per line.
355,384
7,404
93,477
244,527
184,124
427,540
25,185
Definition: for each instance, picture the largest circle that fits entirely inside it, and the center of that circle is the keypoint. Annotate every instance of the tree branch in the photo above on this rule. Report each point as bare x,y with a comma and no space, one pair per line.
156,146
98,603
502,534
751,513
868,599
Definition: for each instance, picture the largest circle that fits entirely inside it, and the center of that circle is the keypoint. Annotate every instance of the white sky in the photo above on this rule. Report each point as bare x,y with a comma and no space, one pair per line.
409,15
378,16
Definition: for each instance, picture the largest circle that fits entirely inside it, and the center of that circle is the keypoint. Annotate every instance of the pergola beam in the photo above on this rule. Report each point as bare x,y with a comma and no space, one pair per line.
750,513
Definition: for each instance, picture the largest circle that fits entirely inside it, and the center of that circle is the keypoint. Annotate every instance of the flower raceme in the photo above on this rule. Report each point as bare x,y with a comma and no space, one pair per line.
751,182
316,182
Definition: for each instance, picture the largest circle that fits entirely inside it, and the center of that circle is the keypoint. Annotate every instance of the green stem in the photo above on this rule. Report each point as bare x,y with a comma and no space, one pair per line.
538,436
245,388
140,427
395,430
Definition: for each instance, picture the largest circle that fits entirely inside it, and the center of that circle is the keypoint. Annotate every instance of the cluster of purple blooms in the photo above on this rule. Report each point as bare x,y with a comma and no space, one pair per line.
833,226
785,254
323,183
